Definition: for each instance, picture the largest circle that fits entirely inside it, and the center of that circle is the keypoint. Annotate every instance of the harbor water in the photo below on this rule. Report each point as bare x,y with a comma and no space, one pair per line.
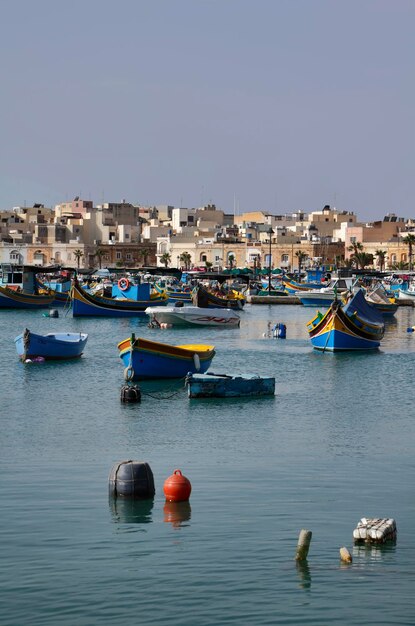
334,445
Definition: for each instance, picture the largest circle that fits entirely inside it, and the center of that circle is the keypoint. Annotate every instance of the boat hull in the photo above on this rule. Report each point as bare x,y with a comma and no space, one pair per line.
10,299
194,316
86,304
51,346
341,328
217,386
145,359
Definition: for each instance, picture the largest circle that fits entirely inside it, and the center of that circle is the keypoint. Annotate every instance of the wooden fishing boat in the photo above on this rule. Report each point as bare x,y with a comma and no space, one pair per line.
15,299
326,295
205,298
378,299
175,294
144,358
87,304
193,316
224,386
354,325
51,346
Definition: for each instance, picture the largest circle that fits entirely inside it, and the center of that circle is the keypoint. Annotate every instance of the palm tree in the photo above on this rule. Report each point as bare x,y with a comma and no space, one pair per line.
381,256
78,254
355,247
165,259
186,259
99,254
410,241
301,256
401,265
143,255
208,265
231,260
362,259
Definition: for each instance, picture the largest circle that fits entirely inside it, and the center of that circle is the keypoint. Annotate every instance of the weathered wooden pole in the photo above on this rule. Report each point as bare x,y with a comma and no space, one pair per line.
303,544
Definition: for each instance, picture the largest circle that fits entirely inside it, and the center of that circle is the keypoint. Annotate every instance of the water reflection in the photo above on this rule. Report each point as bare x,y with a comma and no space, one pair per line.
373,552
304,575
176,513
131,511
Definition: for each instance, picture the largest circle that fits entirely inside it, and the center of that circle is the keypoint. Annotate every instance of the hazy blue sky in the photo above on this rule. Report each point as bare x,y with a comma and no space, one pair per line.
281,104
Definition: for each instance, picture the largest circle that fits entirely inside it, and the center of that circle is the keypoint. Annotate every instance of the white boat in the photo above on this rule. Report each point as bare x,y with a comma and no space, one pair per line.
326,295
192,316
407,294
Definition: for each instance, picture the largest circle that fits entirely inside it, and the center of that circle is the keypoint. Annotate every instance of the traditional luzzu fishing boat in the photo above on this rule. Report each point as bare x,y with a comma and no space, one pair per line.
175,294
205,298
378,299
51,346
353,325
151,359
193,316
87,304
13,299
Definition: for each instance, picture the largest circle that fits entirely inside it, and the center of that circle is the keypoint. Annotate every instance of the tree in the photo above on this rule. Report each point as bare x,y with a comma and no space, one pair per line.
99,254
381,257
362,259
143,255
208,265
231,260
355,247
401,265
78,254
186,259
409,240
301,256
165,259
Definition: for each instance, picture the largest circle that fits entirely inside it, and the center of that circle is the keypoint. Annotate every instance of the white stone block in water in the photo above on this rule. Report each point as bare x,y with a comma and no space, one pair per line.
375,530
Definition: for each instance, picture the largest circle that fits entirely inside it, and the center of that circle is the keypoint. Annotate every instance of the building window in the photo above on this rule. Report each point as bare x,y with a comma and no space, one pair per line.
118,256
393,258
128,256
285,258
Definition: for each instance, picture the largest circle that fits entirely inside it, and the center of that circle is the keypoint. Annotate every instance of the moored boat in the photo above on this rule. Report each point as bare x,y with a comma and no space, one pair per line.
326,295
144,358
87,304
193,316
378,299
15,299
224,386
51,346
354,325
207,299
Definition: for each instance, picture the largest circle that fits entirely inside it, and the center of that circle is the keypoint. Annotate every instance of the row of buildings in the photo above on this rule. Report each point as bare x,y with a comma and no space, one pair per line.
77,233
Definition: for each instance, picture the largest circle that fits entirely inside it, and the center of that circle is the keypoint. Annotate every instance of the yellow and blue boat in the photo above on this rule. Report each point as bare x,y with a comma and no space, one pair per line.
353,325
144,358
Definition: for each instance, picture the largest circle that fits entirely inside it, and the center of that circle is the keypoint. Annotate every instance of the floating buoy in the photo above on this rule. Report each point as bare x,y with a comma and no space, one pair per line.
130,393
36,359
279,330
411,329
132,479
54,313
345,555
196,361
177,488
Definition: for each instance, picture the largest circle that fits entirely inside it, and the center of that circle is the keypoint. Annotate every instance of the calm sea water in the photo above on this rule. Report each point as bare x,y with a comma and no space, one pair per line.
334,445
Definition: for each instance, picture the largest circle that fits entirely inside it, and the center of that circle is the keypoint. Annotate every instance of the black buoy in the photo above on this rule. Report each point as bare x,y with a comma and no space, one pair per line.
130,393
53,313
132,479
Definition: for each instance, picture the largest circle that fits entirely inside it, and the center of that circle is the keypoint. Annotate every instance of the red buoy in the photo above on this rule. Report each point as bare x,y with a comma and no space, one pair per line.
177,487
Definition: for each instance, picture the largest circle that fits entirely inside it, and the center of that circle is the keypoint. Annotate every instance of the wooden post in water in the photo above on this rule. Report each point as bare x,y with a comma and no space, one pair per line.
303,544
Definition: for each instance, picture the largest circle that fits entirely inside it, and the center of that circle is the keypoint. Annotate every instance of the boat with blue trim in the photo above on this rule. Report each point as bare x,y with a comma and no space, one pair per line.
30,345
351,325
87,304
144,358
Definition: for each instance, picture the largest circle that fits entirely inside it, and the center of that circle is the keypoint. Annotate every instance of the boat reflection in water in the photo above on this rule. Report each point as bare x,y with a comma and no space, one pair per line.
176,513
131,511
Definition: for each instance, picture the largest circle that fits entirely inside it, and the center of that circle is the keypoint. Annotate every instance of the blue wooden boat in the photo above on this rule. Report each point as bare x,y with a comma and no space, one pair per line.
224,386
87,304
378,298
354,325
51,346
151,359
175,294
14,299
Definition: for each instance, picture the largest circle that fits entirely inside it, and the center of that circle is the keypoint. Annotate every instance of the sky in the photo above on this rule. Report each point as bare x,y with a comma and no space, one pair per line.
274,105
